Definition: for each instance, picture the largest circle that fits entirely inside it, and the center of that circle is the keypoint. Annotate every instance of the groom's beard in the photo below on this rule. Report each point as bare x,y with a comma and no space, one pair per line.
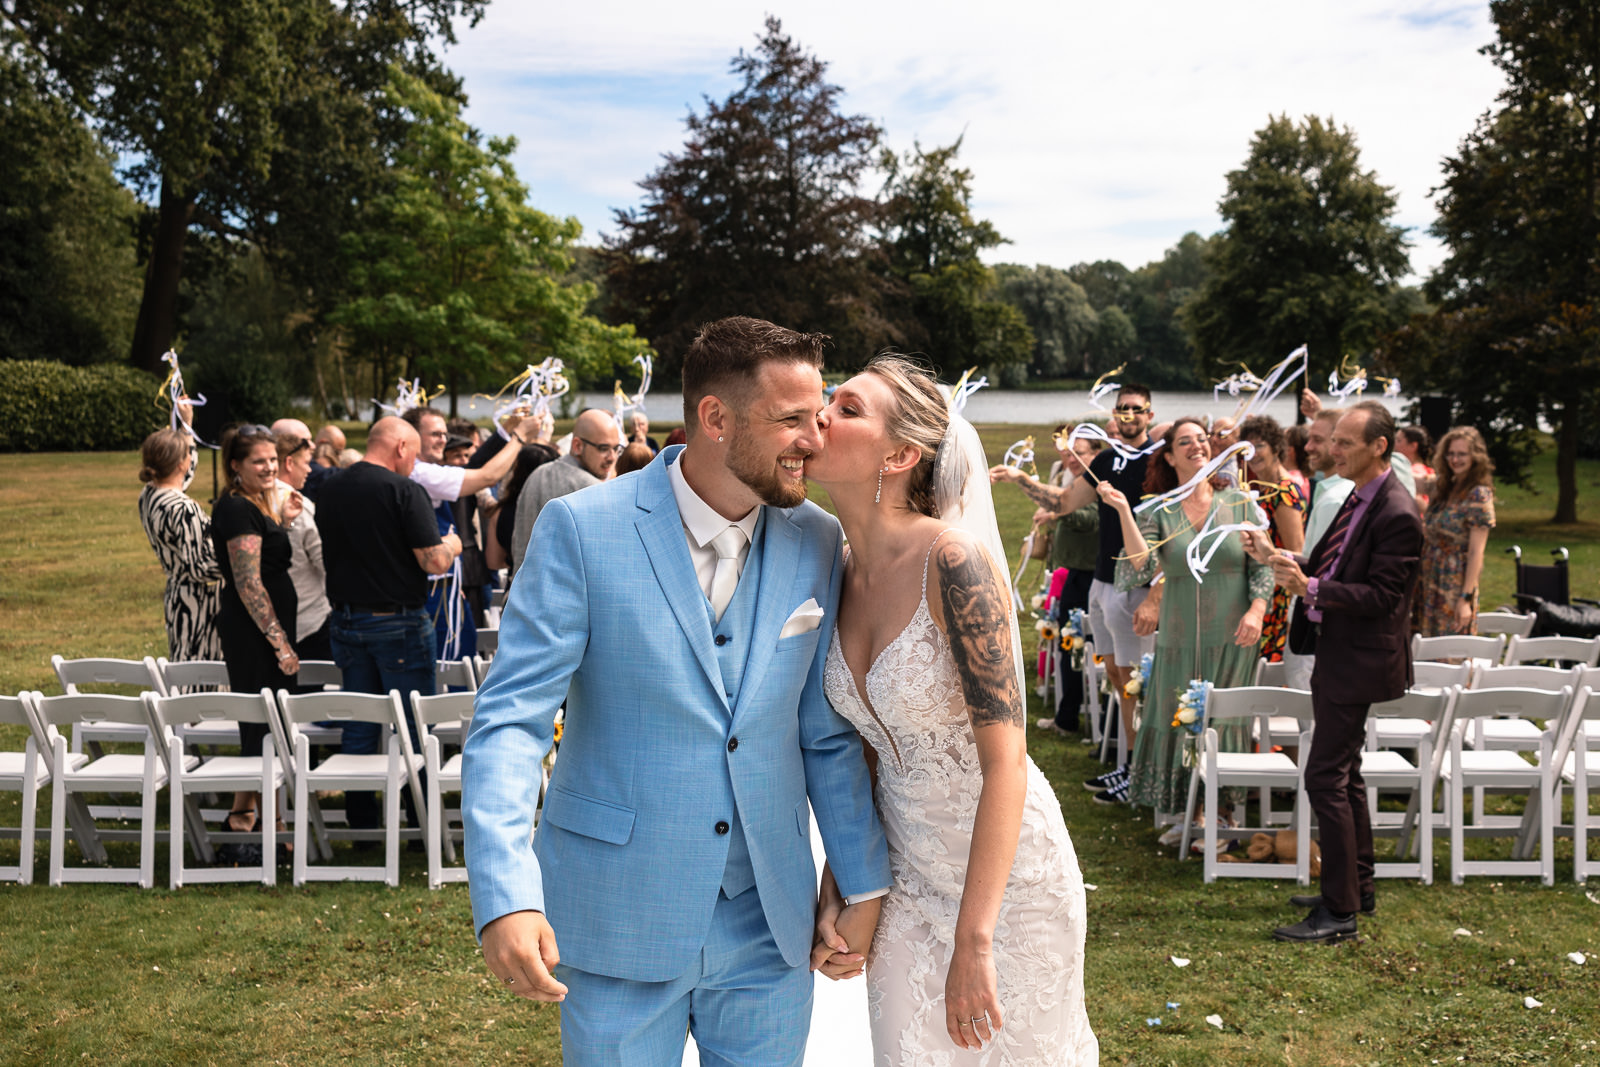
762,474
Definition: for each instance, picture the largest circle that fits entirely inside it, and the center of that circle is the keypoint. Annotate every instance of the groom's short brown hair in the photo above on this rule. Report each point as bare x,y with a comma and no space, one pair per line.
726,355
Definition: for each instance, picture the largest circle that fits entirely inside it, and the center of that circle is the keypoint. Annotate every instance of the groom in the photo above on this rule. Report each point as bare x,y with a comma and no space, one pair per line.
682,614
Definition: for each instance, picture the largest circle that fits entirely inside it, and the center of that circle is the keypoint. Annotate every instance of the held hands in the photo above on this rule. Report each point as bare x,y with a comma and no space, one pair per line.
520,949
843,932
971,997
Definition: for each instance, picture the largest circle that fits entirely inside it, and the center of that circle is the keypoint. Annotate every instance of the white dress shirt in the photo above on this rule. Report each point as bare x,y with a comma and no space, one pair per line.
702,524
441,482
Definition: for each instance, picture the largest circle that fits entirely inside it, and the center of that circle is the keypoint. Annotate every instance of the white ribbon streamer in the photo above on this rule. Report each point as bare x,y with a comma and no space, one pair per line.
965,386
1183,491
1211,537
1277,381
623,403
1020,454
1125,453
407,396
172,388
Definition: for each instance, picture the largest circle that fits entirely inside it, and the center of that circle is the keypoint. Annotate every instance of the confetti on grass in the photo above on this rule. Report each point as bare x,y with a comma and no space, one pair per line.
1215,1020
1178,961
1529,1002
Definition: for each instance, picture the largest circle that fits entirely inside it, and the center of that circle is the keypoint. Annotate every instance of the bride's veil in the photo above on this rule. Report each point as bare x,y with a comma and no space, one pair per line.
961,492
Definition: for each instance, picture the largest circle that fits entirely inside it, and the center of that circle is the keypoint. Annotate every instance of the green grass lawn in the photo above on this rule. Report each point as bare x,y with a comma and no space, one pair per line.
361,973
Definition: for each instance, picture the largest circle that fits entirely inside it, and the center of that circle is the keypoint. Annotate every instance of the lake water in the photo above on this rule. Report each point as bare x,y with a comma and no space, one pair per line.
1003,406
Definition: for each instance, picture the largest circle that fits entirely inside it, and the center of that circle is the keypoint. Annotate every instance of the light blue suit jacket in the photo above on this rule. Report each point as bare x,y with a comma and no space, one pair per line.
606,614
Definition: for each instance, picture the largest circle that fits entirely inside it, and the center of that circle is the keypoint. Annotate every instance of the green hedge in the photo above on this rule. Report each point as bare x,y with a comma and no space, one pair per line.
51,407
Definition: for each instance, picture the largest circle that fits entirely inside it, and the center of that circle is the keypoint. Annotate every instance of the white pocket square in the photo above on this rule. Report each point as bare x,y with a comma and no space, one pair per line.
803,619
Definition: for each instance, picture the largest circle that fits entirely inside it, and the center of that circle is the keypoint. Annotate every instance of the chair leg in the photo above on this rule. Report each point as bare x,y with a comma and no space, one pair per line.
83,828
391,837
1580,827
434,832
1457,812
1209,866
300,816
1547,836
175,833
147,823
267,823
30,816
1188,814
58,827
1422,845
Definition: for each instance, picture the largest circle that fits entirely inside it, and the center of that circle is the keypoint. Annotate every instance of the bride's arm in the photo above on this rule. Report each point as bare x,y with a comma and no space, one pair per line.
975,610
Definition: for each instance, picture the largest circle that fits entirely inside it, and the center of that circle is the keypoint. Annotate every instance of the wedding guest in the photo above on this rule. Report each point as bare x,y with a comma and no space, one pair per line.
639,433
180,533
636,455
1456,529
1295,461
1414,443
1209,630
589,461
305,569
498,550
259,605
324,460
1285,508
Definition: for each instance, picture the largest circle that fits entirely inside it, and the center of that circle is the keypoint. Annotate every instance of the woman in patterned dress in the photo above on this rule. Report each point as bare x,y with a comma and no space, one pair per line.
181,535
1456,527
1285,506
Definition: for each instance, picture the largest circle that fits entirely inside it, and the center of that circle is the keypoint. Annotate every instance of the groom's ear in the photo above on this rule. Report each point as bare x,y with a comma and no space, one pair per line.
714,417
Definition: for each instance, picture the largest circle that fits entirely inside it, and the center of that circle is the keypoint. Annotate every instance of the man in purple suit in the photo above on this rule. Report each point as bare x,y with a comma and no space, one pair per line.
1353,612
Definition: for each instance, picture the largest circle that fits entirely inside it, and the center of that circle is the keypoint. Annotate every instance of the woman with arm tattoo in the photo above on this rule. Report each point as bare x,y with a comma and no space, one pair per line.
257,619
926,664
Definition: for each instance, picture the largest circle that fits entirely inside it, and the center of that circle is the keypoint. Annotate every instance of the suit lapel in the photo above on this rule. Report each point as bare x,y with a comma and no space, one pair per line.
780,556
661,529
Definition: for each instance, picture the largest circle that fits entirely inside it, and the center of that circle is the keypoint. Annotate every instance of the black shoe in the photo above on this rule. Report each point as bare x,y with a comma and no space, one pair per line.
1117,795
1369,902
1321,927
1112,780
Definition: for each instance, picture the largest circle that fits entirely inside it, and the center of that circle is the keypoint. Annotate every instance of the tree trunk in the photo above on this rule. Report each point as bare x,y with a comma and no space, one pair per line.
1567,466
157,325
450,377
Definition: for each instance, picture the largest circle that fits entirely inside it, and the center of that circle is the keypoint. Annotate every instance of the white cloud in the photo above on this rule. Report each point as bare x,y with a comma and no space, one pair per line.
1093,130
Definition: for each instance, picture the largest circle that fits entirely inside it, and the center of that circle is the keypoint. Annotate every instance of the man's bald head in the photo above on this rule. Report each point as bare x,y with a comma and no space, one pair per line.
393,443
293,427
330,435
595,441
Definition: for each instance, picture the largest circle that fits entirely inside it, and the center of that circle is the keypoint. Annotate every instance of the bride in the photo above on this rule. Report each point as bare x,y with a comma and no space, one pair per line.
978,952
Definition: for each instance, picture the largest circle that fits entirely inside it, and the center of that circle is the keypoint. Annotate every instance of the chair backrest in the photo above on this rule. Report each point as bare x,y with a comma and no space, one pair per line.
1269,673
1523,677
192,672
1510,623
71,708
1580,650
320,672
1542,704
166,714
1429,704
441,707
338,706
1257,701
13,712
497,598
457,672
1430,673
1458,646
73,673
488,641
1585,707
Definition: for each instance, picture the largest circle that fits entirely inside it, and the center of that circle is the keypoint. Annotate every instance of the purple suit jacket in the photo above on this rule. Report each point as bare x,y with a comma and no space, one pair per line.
1363,644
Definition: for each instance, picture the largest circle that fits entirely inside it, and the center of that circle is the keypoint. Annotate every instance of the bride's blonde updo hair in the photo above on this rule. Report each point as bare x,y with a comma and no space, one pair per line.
920,417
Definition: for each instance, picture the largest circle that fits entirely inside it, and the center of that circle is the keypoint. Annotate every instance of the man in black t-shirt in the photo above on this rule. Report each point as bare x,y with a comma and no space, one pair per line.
379,544
1123,623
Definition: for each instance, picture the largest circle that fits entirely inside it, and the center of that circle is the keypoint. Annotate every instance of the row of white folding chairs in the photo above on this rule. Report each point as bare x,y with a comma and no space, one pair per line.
289,717
1502,649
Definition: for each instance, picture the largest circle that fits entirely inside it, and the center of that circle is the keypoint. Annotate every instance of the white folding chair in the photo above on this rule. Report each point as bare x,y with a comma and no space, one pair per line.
396,767
262,774
443,775
488,642
1387,770
1578,767
1431,674
1266,771
75,673
1516,735
1405,732
1281,729
1509,623
326,673
199,675
460,673
1584,651
1504,770
497,597
24,772
143,774
1488,647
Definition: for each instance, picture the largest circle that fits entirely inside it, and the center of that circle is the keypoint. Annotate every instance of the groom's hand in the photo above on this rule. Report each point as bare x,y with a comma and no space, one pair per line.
520,948
842,951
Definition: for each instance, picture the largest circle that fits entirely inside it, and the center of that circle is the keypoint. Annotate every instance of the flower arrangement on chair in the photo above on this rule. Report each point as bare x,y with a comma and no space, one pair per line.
1072,639
1191,715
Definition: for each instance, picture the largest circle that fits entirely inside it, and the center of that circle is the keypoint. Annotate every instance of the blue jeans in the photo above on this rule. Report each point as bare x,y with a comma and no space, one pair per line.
377,653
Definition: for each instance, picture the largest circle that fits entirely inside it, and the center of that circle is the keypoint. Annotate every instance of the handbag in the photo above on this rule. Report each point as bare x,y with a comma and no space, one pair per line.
1039,546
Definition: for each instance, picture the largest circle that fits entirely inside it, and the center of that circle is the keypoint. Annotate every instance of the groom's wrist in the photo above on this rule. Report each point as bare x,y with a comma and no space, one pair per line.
859,898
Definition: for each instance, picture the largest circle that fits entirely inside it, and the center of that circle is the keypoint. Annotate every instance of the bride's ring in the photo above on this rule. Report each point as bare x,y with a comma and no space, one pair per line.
964,1022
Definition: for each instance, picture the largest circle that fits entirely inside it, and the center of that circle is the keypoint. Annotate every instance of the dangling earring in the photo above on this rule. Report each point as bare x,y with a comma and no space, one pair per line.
879,495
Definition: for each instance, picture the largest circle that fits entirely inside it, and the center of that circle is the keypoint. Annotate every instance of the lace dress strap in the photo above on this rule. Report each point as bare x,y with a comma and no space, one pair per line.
929,557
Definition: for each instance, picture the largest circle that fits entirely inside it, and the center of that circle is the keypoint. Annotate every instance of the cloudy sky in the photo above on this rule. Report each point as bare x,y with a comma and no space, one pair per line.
1094,131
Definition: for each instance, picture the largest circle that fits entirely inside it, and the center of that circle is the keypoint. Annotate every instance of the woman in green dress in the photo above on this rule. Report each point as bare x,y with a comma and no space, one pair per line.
1208,630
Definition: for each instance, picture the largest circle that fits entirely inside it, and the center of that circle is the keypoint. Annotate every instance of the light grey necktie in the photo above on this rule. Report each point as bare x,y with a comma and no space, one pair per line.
725,579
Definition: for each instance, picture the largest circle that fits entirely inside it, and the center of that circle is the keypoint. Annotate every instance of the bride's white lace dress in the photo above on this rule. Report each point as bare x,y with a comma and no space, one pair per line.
915,717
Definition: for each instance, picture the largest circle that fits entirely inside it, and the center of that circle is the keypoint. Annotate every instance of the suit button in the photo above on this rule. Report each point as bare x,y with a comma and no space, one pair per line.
721,828
733,744
722,639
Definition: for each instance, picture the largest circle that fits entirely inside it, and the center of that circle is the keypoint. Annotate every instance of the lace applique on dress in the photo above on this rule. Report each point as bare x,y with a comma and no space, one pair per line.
914,715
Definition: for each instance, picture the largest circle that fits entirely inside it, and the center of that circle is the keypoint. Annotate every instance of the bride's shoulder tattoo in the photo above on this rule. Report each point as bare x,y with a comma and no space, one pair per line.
979,633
